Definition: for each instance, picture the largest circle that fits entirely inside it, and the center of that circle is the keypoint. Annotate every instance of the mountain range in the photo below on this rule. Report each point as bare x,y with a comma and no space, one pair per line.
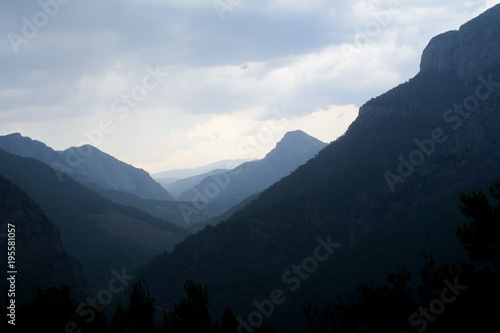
296,230
93,209
97,232
383,193
88,165
177,174
229,188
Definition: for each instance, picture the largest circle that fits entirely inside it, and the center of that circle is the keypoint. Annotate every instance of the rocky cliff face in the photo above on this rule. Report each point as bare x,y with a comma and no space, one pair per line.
456,94
468,51
40,257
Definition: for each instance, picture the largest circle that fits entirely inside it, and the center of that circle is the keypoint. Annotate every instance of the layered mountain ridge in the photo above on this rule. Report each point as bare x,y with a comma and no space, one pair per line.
234,186
96,231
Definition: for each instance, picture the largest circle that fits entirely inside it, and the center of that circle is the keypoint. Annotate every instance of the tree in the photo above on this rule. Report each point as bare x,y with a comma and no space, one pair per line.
141,309
482,235
139,317
191,313
50,310
228,323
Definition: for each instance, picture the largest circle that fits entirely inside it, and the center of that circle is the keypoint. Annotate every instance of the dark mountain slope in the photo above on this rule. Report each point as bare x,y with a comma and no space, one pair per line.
40,259
88,165
101,234
405,158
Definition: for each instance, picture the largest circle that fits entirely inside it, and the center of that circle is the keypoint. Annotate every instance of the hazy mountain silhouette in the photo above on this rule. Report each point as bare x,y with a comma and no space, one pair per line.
229,188
179,186
190,172
88,165
98,232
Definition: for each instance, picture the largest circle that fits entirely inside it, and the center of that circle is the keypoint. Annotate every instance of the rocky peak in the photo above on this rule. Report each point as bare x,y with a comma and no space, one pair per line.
294,143
471,50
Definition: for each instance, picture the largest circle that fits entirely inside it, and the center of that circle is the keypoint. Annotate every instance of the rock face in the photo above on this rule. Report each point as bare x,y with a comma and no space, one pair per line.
468,51
40,257
88,165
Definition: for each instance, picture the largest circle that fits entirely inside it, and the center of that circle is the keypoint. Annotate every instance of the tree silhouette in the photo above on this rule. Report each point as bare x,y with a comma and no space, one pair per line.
141,309
191,313
139,317
481,236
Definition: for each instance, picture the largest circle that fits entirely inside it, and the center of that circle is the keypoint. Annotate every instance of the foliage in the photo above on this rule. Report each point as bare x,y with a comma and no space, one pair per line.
190,314
481,236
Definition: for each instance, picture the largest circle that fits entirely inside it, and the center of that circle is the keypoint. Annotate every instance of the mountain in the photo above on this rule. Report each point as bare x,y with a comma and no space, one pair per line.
229,188
96,231
179,186
88,165
183,214
197,226
371,202
40,259
185,173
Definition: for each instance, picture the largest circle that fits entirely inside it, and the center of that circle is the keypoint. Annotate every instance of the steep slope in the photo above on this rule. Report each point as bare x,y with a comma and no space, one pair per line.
40,259
102,235
88,165
391,182
230,188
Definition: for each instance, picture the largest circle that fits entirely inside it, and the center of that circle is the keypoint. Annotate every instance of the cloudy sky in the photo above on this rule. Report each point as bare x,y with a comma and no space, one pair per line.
175,84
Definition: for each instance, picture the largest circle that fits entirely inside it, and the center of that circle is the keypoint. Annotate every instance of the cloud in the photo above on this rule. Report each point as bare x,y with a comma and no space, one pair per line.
223,78
245,134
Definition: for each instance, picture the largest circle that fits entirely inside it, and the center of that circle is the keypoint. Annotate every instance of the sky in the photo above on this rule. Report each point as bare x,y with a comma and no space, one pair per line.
178,84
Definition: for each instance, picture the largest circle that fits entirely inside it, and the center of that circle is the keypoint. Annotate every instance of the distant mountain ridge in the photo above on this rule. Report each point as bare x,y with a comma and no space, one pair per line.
181,185
190,172
88,165
231,187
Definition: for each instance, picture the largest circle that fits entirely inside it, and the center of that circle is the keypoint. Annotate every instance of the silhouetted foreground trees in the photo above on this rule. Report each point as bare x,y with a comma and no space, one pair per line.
53,310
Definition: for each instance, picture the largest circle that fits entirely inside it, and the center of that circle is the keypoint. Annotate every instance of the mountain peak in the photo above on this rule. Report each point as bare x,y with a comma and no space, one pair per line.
469,51
293,143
